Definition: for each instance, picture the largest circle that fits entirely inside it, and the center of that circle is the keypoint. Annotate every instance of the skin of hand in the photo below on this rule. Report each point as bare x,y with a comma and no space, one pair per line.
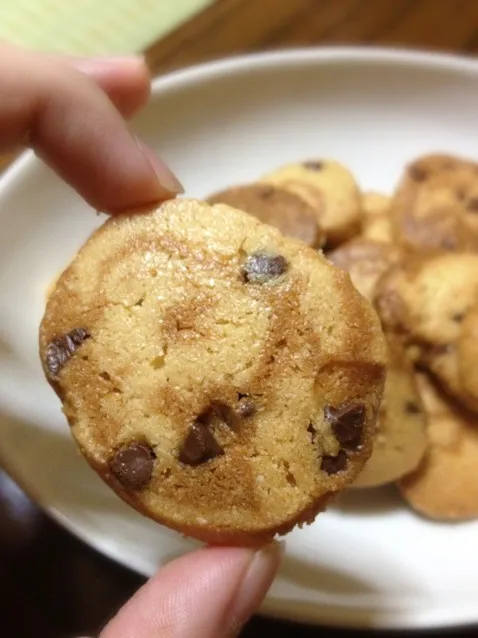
72,112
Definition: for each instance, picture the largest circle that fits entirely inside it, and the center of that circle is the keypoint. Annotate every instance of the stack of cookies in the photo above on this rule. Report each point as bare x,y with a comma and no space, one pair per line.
414,256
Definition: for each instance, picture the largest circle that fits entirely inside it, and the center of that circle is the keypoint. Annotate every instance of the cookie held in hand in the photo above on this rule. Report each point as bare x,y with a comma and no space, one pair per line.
221,378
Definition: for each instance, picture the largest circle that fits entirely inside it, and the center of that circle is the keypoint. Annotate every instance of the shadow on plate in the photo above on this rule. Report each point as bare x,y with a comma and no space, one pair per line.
370,501
323,578
5,348
338,595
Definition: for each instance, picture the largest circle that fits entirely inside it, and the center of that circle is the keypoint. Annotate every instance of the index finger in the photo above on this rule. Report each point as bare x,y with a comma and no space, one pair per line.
73,126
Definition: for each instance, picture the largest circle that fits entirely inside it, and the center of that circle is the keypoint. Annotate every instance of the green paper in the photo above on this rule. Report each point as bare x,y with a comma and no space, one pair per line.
91,27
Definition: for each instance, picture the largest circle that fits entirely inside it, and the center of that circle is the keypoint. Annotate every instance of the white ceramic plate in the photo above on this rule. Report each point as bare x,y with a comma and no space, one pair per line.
370,561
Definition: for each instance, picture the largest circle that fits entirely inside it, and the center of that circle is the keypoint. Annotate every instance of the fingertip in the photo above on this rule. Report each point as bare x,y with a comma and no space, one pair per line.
208,593
126,79
255,584
164,174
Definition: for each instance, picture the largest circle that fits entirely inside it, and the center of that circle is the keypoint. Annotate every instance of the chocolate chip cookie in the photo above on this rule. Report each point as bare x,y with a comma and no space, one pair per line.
330,188
444,486
424,299
400,436
376,220
273,205
221,378
467,352
366,261
436,204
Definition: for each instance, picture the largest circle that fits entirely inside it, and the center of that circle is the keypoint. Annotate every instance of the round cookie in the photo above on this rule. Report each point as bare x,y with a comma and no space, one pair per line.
330,188
275,206
50,288
221,378
467,352
376,220
444,486
375,204
425,299
401,438
436,204
366,261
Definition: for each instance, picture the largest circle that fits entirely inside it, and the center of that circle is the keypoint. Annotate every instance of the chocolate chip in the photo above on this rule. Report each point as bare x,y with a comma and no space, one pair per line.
312,431
313,166
226,414
199,445
417,173
265,192
441,349
347,423
60,351
133,465
246,408
458,317
449,243
334,464
260,268
412,408
219,411
473,204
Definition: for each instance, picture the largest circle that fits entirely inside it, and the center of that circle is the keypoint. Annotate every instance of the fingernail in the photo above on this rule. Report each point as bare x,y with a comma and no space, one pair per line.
255,584
165,177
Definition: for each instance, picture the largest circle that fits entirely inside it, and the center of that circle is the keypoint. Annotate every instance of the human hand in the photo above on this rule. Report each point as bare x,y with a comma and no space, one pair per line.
209,593
70,111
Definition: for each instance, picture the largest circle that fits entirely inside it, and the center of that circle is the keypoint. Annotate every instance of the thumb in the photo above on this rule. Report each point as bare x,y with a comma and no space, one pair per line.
209,593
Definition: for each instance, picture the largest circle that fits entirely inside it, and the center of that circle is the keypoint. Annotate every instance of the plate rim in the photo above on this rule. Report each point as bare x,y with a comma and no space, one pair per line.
215,69
313,55
198,73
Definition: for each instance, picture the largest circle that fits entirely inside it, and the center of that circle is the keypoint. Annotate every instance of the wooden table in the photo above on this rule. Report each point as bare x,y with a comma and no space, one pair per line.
53,586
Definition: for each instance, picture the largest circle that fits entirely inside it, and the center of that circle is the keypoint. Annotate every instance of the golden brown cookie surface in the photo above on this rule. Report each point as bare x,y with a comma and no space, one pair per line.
444,487
330,188
436,204
467,352
275,206
424,299
366,261
221,378
376,219
401,438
